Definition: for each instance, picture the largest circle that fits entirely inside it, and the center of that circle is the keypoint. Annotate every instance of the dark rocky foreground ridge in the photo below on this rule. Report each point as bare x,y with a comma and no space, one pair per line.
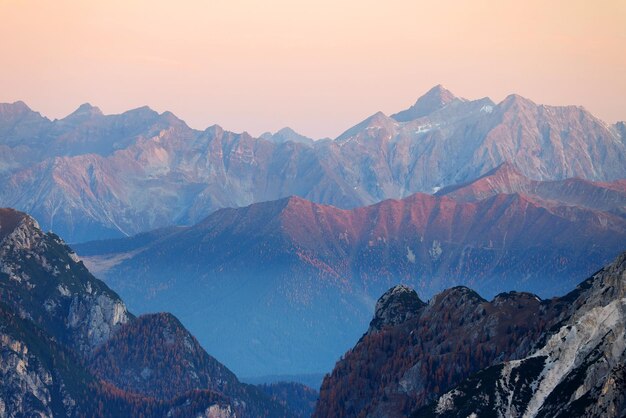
461,355
93,176
69,347
577,369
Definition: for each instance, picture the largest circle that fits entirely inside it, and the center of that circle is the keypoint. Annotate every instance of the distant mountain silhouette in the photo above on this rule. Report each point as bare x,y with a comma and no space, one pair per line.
91,176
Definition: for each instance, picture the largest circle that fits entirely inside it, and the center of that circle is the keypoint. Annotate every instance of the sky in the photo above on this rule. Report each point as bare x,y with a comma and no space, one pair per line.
317,66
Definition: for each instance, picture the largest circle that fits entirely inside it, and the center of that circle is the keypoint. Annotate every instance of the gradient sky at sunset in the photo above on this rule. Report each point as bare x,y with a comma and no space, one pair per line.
318,66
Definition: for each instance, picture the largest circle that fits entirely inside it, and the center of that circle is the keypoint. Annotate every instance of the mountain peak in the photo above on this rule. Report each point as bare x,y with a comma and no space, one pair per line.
505,178
438,93
88,108
214,130
84,112
377,119
15,107
515,100
286,131
457,296
295,204
142,111
286,134
10,219
182,360
394,307
16,111
434,99
513,296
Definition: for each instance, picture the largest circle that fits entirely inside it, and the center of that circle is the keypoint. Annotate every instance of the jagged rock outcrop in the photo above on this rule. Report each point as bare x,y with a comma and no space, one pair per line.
392,371
218,411
44,280
578,371
394,307
515,356
25,382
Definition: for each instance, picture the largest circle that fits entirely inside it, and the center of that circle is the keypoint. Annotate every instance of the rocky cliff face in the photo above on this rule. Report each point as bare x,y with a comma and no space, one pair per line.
91,176
30,385
578,371
45,281
394,307
526,357
25,382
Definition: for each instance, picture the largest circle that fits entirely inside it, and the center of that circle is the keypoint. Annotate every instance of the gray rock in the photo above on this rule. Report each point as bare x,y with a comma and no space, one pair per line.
394,307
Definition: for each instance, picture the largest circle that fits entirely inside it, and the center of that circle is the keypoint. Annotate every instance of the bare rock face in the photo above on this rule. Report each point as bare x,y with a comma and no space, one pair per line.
48,283
26,384
218,411
394,307
578,371
35,373
95,319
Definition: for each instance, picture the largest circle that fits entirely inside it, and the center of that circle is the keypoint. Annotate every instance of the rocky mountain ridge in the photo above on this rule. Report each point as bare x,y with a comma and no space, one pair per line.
294,255
520,355
506,178
580,370
395,306
92,176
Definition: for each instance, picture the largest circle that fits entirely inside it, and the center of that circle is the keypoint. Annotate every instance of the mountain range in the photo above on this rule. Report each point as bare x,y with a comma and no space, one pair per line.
92,176
267,273
460,355
270,254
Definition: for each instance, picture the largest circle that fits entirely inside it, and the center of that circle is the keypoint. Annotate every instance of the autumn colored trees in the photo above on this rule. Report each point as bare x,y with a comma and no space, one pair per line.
403,367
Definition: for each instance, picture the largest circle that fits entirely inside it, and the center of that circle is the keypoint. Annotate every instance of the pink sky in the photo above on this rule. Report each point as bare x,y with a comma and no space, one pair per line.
317,66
